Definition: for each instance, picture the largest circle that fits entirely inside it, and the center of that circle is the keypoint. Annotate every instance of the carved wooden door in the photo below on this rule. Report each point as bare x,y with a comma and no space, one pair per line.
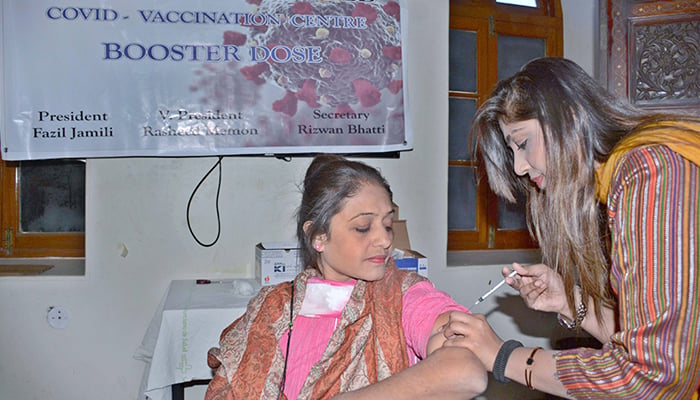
653,52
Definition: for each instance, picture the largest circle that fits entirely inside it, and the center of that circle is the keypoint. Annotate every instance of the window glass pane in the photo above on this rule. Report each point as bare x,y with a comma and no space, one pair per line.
461,195
513,53
516,51
461,114
52,196
512,216
462,61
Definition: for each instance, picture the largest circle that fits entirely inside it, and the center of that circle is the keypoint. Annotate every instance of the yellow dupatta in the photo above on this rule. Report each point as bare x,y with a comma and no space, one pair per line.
683,137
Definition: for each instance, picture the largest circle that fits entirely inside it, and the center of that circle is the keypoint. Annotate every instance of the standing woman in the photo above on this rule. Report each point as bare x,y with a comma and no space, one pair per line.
351,325
613,202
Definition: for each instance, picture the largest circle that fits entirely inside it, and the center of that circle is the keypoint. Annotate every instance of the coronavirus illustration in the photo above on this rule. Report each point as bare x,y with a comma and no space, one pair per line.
338,54
222,87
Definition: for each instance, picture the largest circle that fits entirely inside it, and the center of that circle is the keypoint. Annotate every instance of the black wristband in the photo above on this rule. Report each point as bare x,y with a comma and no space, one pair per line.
499,366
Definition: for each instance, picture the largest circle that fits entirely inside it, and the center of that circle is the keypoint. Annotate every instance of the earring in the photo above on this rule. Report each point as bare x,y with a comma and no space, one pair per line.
318,246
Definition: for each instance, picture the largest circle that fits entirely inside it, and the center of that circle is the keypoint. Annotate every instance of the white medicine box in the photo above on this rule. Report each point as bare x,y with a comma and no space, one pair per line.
276,262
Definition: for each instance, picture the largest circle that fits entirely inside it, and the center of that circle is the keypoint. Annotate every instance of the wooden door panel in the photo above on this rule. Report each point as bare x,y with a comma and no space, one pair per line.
653,52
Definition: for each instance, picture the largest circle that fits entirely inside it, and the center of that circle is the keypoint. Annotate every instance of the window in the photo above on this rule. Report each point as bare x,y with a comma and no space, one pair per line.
42,214
488,42
526,3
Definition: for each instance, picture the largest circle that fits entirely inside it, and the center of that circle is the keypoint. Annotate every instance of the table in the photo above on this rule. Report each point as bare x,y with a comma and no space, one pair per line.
187,323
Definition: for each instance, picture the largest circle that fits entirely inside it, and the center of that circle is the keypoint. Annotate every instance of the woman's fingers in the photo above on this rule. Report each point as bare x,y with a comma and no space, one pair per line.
461,324
473,332
469,326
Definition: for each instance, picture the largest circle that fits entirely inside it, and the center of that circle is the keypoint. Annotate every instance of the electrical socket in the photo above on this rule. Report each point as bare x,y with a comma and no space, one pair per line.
58,317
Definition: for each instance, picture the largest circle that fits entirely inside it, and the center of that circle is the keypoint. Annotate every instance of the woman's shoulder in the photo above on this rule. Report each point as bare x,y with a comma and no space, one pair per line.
649,169
653,157
407,278
277,292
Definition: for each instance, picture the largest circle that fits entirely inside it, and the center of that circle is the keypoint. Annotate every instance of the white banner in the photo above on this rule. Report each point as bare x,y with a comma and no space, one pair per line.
116,78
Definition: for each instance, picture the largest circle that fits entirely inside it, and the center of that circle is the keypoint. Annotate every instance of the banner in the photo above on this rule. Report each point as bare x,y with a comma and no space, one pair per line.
119,78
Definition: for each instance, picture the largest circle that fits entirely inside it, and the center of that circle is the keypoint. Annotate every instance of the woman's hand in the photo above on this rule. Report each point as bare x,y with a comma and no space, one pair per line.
541,287
472,332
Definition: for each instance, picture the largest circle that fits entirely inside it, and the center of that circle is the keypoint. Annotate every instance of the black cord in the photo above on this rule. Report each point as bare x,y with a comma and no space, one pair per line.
289,340
218,215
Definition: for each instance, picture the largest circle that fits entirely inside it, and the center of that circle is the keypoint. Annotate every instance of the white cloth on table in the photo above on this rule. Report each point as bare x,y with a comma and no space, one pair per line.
187,323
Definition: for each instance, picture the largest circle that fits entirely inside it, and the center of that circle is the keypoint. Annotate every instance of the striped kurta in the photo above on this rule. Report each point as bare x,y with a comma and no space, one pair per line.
653,212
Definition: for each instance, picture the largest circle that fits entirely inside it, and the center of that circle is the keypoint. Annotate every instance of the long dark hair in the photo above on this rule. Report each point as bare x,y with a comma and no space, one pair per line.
330,180
581,123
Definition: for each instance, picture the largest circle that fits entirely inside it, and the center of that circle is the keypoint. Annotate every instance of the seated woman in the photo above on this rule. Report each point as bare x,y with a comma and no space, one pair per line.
351,325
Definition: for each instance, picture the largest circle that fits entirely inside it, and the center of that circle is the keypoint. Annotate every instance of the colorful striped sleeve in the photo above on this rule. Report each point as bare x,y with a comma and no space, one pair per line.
654,219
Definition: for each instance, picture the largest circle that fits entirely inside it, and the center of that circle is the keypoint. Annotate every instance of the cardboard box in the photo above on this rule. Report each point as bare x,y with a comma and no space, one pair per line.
403,256
276,262
401,240
411,260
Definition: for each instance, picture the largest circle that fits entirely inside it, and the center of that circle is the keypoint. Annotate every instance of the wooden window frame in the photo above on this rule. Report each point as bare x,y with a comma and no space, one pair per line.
18,244
489,19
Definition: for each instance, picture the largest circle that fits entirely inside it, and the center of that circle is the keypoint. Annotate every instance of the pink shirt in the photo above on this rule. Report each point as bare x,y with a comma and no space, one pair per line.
323,305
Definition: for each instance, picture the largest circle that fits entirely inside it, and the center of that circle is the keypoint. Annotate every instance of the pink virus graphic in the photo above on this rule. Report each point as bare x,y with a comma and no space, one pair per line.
221,87
358,44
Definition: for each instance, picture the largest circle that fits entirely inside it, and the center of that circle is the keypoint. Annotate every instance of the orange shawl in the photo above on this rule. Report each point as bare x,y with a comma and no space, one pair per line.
367,346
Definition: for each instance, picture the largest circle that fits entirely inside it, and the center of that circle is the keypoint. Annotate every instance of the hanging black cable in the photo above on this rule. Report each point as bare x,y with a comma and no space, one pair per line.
218,215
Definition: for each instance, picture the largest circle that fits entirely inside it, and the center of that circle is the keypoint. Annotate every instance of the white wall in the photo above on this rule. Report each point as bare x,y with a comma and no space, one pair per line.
140,204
